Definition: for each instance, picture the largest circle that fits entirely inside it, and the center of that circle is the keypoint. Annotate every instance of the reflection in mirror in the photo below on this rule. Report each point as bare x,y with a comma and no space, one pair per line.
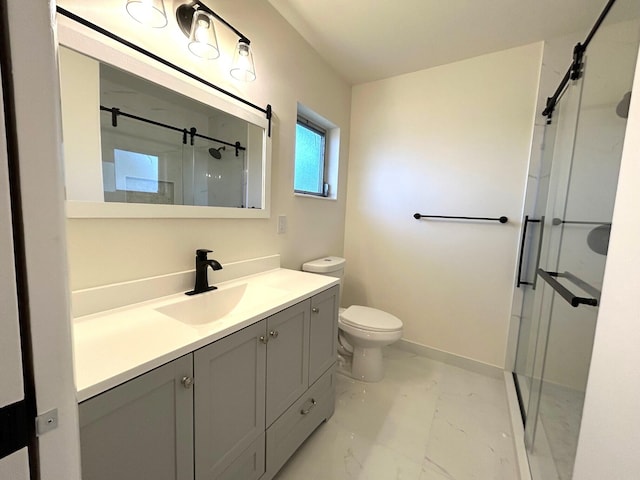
131,141
162,147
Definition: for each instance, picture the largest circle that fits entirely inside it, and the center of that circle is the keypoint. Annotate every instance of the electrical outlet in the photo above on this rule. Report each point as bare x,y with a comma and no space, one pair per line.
282,224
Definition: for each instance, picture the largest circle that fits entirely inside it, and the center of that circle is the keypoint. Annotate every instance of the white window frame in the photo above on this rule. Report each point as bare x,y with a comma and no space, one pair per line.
306,123
331,153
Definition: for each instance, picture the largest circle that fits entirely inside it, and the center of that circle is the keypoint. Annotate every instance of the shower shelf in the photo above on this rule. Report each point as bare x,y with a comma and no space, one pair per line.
574,300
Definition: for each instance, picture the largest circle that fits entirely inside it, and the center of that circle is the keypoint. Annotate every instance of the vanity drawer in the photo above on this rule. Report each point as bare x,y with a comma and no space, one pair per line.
299,421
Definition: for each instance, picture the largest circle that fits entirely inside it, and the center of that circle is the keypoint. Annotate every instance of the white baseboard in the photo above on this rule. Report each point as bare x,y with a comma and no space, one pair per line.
450,358
107,297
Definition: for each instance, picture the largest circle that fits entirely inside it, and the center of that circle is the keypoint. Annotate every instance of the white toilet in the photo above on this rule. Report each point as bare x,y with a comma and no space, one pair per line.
363,331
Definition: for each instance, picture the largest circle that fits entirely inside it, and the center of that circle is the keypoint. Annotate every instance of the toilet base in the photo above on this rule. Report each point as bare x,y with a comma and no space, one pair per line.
366,364
343,365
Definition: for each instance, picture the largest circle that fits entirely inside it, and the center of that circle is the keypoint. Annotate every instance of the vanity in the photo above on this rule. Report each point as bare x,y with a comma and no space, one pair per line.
223,385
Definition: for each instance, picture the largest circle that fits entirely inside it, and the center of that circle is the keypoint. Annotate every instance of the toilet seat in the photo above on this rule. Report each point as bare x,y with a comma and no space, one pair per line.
370,319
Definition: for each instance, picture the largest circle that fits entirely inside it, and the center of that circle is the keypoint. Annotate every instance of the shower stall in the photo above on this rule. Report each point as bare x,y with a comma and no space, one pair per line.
144,161
563,251
161,147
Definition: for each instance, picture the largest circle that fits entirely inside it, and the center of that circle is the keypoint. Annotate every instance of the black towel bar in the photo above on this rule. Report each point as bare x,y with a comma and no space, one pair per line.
559,221
564,292
418,216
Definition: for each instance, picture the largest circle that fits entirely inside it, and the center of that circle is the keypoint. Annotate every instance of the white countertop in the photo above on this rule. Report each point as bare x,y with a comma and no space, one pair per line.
117,345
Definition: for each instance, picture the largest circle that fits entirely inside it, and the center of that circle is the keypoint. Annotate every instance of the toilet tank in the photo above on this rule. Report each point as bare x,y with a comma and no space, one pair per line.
331,266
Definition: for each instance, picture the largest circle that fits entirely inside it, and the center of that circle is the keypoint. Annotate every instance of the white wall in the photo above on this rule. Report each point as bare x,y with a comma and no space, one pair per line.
15,466
41,190
451,140
610,430
289,71
10,351
81,135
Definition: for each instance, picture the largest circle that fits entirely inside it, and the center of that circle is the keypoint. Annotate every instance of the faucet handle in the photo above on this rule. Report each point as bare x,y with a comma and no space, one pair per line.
201,253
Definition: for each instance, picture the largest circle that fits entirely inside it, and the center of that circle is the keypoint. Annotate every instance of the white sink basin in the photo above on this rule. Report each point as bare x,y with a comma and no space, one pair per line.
209,307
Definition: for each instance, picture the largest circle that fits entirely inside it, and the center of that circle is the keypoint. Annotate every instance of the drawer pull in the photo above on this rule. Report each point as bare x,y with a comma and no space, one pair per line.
315,310
263,339
273,333
305,411
186,382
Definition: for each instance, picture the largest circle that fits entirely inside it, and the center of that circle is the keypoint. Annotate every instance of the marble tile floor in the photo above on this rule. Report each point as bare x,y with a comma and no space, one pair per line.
425,421
561,413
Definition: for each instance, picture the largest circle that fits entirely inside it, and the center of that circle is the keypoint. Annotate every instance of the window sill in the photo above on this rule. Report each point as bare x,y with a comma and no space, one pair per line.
317,197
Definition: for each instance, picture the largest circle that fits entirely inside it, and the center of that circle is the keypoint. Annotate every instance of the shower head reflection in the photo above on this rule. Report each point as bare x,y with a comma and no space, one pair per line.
622,109
215,152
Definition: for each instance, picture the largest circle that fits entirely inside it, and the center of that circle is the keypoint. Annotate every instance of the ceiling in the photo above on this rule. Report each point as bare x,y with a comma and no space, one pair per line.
366,40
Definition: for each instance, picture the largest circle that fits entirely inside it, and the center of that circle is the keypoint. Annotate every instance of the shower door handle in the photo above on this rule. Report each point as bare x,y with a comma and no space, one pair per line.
523,240
574,300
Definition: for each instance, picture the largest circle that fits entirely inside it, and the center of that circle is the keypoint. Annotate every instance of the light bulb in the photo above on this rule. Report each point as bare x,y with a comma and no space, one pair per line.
201,31
202,38
243,67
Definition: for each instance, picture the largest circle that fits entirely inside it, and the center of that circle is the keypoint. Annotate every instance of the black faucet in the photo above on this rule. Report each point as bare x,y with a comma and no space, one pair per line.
202,263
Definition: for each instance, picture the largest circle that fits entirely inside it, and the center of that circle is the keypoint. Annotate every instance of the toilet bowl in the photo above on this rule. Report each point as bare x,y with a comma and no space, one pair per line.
362,331
367,330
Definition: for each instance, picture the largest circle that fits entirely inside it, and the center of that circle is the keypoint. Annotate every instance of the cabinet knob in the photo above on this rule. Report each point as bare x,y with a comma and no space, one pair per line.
263,339
187,382
274,333
305,411
315,310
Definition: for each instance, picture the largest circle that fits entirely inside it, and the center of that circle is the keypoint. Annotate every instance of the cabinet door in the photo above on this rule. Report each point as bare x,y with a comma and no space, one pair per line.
249,465
323,350
287,358
229,401
142,429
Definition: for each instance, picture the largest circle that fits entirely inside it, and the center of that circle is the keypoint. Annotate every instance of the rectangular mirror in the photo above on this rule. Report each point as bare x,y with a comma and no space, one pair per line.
134,148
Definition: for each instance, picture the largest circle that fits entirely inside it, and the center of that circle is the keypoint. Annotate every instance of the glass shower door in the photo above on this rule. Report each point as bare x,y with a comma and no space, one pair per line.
219,175
214,175
546,306
550,170
591,121
530,250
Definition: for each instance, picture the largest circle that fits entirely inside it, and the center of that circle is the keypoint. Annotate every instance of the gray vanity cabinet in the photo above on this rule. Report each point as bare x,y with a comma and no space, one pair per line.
235,409
229,406
323,348
287,358
142,429
316,404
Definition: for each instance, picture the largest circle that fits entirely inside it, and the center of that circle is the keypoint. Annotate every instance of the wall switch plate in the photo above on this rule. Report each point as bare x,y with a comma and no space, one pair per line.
282,224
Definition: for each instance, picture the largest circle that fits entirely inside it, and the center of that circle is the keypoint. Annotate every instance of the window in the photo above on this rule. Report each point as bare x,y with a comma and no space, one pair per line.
317,155
310,160
135,172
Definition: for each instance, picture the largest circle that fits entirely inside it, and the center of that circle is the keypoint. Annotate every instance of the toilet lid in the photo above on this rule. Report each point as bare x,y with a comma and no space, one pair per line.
372,319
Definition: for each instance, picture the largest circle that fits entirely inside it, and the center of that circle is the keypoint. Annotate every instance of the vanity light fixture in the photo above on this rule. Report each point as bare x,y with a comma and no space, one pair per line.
268,110
243,68
148,12
195,20
202,36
